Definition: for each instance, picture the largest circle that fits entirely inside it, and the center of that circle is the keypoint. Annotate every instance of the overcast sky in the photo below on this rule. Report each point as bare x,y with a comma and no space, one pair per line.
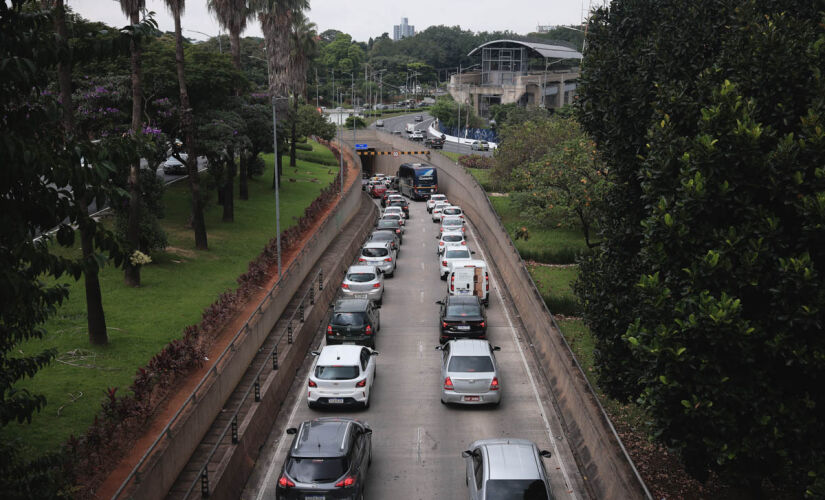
370,18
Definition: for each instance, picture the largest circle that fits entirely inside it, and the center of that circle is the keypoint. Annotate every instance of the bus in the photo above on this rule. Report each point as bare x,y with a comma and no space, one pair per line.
417,181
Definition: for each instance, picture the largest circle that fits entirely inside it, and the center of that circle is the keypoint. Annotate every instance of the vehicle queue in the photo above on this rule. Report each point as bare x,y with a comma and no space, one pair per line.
330,456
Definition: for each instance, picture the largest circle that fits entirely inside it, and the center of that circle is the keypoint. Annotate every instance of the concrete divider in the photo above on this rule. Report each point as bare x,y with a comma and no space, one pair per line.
599,452
160,466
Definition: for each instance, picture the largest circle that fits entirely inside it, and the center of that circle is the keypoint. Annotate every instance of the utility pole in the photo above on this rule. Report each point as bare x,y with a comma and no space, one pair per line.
317,85
277,187
340,150
354,108
458,123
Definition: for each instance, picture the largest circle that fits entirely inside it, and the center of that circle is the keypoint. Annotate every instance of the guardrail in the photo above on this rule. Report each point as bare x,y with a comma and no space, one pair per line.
255,388
168,433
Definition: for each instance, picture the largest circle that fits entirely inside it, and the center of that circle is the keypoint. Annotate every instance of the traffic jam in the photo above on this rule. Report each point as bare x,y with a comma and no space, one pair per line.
330,456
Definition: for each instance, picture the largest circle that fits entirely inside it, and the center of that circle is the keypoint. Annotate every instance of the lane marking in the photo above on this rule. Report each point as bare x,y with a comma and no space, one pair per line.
421,298
418,445
421,345
532,380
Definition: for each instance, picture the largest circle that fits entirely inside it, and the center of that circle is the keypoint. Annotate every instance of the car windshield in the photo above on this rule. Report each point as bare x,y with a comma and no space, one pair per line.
374,252
452,211
316,470
452,237
388,224
348,319
516,489
463,310
382,236
470,364
391,217
336,372
458,254
360,277
451,222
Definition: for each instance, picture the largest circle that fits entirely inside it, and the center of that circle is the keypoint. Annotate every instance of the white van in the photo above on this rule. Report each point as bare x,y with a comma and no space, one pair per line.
410,128
470,278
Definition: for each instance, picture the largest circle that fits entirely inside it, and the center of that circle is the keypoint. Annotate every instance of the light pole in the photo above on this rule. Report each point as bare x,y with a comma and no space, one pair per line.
220,48
352,100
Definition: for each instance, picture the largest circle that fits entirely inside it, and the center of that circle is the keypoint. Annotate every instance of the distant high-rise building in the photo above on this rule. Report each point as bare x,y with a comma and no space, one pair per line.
402,30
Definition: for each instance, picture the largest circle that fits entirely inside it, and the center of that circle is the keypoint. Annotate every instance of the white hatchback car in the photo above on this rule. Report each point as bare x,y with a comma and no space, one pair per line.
450,258
342,375
450,239
437,209
435,199
452,210
452,223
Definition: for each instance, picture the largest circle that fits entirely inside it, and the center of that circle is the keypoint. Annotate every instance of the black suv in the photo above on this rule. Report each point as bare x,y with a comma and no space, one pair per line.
462,317
404,204
434,142
328,458
354,321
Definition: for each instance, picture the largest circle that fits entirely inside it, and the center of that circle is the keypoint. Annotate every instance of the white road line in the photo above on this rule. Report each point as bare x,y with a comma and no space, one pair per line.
421,298
532,381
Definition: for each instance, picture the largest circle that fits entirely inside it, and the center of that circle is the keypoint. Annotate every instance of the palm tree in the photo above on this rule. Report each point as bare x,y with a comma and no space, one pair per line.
95,318
132,8
302,48
276,17
232,16
198,223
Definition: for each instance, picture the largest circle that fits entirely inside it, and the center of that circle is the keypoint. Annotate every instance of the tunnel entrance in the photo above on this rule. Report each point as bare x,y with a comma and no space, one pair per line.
367,162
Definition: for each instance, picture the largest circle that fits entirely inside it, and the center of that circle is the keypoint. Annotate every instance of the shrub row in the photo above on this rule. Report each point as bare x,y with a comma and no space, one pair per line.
477,161
88,458
551,255
303,146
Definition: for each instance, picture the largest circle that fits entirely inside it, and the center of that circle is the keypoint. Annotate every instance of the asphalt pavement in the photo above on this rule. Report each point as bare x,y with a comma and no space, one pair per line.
417,441
400,123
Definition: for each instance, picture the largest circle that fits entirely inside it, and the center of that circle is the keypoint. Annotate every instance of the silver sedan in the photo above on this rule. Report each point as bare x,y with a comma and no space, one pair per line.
469,372
368,280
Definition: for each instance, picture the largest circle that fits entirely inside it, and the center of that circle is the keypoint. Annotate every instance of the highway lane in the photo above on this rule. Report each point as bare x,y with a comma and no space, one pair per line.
417,441
400,123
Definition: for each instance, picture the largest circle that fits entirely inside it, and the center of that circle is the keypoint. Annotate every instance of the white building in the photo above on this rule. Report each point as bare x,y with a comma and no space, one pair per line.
403,30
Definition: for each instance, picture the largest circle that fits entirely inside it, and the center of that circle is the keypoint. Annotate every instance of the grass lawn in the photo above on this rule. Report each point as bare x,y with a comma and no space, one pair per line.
175,289
451,155
550,246
482,175
554,285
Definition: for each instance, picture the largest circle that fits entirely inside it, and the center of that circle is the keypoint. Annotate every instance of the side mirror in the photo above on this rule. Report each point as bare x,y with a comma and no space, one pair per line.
316,353
545,454
466,453
367,431
439,348
374,353
439,302
496,348
472,252
438,237
292,431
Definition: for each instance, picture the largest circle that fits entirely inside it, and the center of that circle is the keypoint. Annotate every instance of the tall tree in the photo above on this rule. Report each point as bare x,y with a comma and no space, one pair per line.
232,16
706,298
276,18
132,8
95,317
302,49
188,125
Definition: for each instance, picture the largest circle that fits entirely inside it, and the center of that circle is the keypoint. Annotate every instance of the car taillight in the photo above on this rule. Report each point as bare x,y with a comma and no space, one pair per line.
463,242
481,324
452,283
285,482
344,285
376,285
361,383
494,384
361,260
448,384
388,259
441,243
444,263
329,328
487,280
444,324
312,384
462,229
397,231
368,330
346,482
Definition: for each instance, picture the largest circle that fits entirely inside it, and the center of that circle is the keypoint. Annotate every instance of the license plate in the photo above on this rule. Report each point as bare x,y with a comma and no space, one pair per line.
463,327
463,292
335,401
315,497
348,343
471,398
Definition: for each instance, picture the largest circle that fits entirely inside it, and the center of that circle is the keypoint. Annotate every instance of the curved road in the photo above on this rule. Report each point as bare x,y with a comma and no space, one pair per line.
400,123
417,441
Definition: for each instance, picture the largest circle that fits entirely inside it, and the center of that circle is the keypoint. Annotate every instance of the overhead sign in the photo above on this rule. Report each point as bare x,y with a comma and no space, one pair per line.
361,146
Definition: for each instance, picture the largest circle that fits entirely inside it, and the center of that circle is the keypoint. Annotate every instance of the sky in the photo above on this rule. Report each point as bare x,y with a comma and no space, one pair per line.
368,18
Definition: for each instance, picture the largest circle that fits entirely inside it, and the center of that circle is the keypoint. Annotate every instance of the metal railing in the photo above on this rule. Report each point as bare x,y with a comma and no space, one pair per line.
166,433
203,474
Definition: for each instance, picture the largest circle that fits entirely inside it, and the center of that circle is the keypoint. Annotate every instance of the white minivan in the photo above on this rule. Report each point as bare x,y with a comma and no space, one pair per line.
470,277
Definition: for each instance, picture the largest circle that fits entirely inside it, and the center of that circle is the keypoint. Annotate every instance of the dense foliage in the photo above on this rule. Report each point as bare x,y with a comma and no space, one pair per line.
706,299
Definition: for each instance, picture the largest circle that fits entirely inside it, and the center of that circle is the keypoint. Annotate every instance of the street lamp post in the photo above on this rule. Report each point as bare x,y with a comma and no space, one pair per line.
220,48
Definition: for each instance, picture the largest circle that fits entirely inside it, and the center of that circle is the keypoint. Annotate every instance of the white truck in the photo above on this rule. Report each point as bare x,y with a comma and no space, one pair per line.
410,128
470,278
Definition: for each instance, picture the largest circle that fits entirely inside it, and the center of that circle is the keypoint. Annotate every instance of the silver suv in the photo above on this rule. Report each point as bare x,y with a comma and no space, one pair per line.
364,280
380,255
507,468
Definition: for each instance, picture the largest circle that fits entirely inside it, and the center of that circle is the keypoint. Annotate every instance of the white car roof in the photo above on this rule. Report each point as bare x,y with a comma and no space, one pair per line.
376,244
450,218
362,269
340,355
469,347
453,232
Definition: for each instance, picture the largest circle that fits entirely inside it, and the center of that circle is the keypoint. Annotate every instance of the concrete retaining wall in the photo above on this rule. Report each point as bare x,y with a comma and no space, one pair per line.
602,459
157,475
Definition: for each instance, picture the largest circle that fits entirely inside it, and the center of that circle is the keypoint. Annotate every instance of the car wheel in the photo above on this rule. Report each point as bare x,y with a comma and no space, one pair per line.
443,402
390,275
367,404
380,302
311,405
443,277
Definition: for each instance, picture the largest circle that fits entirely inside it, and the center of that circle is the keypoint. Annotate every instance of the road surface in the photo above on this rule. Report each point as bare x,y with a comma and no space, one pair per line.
400,123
